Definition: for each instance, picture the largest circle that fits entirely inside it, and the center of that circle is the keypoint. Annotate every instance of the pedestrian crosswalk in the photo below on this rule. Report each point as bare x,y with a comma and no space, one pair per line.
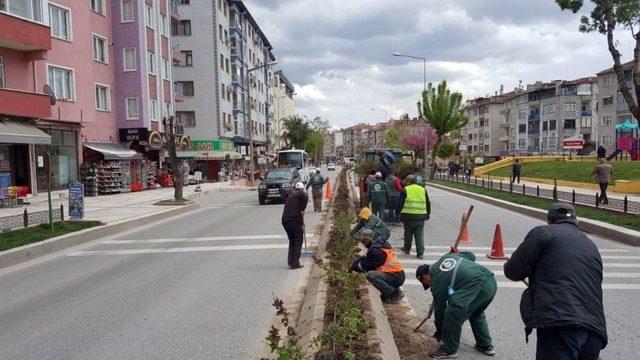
621,268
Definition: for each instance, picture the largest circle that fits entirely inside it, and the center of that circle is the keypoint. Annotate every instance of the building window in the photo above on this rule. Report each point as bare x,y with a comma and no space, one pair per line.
100,51
60,22
606,140
186,58
183,28
552,125
607,101
585,122
607,120
165,27
187,118
522,128
97,6
102,97
222,62
608,80
165,69
220,32
153,104
151,62
126,13
62,82
2,84
184,2
30,9
149,16
187,88
133,112
570,106
129,61
569,123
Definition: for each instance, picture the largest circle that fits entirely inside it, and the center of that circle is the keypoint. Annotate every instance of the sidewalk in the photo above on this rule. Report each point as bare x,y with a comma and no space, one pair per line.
117,207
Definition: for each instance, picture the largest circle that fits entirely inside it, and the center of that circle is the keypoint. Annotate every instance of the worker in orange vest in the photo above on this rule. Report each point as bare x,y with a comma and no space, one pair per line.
382,267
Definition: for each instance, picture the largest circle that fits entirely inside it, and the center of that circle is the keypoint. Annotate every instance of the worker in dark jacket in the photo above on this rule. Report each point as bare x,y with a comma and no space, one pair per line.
394,187
293,223
316,182
462,290
564,298
516,170
383,269
415,210
377,195
368,221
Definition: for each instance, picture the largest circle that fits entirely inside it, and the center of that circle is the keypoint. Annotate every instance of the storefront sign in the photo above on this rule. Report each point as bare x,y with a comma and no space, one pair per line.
155,140
185,142
574,143
76,201
203,145
134,134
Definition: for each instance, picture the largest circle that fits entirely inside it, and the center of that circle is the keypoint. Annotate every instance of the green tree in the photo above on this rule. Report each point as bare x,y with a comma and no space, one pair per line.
296,131
393,137
442,110
314,145
605,17
320,125
445,150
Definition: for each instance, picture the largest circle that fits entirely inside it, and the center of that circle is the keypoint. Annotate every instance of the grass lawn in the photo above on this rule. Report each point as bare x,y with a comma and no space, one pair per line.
625,220
572,170
15,238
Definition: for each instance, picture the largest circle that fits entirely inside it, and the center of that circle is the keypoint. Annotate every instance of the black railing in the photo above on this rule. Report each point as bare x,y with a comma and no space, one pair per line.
621,205
27,218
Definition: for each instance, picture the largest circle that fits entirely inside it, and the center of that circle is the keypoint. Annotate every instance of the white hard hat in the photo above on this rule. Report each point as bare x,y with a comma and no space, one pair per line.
378,174
300,186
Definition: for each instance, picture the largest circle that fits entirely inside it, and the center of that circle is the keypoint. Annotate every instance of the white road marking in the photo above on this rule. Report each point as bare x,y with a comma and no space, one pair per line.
178,250
500,263
211,238
519,285
605,274
621,257
464,248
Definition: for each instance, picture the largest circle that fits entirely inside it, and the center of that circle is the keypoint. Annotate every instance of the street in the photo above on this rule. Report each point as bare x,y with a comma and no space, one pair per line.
197,286
621,277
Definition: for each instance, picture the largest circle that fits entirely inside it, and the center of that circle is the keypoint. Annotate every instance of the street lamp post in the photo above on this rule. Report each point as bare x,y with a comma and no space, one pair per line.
386,114
249,71
426,136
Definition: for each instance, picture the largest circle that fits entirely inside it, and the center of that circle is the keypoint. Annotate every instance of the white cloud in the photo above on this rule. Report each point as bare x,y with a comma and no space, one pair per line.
308,92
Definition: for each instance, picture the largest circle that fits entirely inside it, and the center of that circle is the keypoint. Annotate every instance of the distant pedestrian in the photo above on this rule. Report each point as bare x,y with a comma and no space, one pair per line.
468,169
316,182
603,174
516,170
416,208
377,195
293,223
602,152
564,298
394,187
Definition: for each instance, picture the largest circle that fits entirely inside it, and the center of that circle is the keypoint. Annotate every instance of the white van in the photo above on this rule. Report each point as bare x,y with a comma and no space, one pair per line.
295,158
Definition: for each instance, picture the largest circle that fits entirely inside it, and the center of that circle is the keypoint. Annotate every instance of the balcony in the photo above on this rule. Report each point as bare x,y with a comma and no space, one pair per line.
534,117
24,35
535,148
585,130
175,52
535,132
175,10
586,113
25,104
503,138
178,92
568,132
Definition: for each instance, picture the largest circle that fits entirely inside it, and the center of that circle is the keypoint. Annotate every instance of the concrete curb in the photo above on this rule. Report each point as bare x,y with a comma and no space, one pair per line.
609,231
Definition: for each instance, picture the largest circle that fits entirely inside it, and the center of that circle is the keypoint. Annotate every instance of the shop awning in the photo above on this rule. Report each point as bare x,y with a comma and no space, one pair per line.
209,155
21,132
113,151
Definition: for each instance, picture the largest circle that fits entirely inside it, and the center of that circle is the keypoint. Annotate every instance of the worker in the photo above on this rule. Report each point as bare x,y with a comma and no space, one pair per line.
316,182
462,290
416,208
419,178
564,298
293,223
366,220
394,187
377,195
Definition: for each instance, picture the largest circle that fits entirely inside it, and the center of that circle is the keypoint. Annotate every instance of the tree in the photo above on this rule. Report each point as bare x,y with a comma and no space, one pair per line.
393,137
445,150
314,145
320,125
176,168
605,17
413,139
296,131
442,110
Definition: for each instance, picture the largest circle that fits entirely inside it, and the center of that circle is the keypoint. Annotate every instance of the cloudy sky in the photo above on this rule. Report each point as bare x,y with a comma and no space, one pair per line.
338,53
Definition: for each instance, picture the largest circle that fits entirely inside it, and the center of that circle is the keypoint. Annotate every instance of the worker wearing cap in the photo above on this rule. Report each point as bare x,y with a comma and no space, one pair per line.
366,220
316,182
382,267
564,298
293,223
415,210
462,290
377,195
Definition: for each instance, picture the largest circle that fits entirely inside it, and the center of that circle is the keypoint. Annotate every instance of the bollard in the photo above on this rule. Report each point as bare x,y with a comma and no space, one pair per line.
573,197
510,188
524,189
25,218
626,204
500,185
538,190
482,182
61,212
597,196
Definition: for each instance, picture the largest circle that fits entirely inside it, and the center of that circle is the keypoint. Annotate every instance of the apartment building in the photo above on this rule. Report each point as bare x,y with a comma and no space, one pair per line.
222,71
485,133
284,105
612,108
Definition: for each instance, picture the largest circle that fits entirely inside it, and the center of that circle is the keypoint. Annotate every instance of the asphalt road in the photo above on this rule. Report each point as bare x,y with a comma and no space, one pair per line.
198,286
621,282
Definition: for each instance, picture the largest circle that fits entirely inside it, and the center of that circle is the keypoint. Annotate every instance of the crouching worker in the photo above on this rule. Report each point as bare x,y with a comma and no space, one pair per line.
382,268
461,290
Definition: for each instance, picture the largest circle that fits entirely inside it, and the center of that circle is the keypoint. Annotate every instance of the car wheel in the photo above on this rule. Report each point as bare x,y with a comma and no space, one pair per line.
262,200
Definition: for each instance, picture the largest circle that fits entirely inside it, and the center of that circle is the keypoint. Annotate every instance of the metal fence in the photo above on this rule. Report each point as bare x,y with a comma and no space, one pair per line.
615,204
27,218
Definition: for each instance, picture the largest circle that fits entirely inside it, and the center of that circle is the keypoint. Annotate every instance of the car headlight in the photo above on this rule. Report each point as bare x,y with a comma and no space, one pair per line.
286,185
262,186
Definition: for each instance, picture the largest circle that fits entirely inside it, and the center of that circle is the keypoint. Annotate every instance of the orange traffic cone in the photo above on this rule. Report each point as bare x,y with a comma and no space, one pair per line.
465,233
497,249
329,193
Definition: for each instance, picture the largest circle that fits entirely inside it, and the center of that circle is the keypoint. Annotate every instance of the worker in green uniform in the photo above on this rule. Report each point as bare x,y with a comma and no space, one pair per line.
461,290
366,220
377,195
415,210
316,182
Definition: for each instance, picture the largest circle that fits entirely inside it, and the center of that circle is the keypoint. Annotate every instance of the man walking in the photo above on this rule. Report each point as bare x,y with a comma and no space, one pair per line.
377,195
468,169
461,290
564,298
416,208
603,174
293,223
516,169
394,187
316,182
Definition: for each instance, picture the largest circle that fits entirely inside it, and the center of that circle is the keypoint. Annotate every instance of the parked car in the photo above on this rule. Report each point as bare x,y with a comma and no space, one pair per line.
277,184
331,166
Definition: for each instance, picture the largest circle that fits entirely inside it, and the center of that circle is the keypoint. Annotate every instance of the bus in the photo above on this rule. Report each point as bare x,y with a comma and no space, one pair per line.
295,158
